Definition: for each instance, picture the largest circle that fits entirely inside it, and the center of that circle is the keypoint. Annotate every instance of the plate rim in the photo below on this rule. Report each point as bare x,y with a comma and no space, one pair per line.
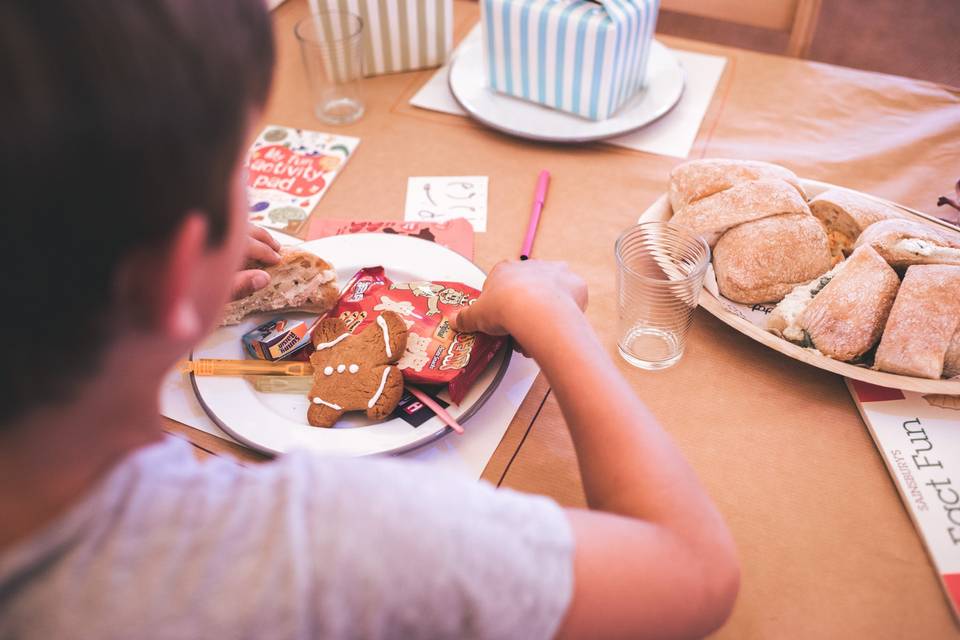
473,113
505,355
661,210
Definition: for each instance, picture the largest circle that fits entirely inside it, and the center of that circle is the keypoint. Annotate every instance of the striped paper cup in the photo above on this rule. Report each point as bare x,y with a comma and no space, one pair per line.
399,35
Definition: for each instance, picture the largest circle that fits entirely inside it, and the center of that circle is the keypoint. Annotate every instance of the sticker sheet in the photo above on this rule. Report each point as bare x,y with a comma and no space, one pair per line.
442,198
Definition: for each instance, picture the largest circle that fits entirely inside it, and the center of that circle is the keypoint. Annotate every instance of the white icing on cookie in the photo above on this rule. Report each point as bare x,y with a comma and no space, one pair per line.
333,406
341,368
386,336
327,345
353,368
328,371
383,382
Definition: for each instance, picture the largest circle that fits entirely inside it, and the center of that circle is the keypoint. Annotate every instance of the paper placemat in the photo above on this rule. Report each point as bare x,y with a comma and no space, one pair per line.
672,135
467,454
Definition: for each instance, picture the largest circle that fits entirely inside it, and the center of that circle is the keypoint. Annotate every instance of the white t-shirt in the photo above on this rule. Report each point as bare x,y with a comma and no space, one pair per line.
302,547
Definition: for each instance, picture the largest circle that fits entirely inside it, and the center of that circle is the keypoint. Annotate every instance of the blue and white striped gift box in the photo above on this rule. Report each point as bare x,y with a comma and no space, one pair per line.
579,56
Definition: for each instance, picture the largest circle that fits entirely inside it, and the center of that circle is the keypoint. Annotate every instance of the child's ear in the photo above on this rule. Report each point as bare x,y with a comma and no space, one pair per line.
156,286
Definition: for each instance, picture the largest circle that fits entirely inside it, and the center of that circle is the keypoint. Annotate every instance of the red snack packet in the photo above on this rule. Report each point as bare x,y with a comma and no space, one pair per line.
436,354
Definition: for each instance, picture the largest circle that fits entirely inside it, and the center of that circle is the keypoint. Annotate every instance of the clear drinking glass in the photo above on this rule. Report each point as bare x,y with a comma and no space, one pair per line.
331,43
660,271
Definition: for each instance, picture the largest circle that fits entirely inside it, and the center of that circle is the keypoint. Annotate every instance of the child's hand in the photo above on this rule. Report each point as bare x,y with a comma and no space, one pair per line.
516,294
261,248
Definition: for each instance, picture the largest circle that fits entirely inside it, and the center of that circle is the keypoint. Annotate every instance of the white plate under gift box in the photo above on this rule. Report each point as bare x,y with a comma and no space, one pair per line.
468,84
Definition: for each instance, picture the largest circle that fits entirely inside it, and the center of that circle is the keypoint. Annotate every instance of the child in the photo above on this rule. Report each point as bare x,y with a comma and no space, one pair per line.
125,124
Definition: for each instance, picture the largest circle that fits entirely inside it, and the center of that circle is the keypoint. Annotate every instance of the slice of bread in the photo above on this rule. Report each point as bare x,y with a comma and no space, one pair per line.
300,281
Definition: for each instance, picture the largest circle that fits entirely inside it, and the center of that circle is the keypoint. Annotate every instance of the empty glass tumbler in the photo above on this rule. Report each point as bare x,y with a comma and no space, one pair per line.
331,43
660,271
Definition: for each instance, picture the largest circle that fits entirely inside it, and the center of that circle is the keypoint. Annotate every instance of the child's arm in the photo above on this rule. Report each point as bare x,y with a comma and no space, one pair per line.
653,556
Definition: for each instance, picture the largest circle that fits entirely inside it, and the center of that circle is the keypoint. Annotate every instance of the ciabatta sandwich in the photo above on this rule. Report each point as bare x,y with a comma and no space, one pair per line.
712,216
763,260
903,243
846,214
697,179
843,312
924,319
300,281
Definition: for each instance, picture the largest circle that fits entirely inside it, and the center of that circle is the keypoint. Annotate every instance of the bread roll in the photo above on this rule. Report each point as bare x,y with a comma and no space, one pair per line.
696,179
847,317
903,243
710,217
846,214
762,260
300,281
922,323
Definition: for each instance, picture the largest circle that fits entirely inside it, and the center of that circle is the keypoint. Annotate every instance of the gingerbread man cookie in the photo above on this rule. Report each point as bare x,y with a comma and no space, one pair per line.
356,372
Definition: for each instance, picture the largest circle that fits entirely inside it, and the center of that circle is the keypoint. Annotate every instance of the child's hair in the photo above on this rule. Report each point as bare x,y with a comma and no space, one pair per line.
118,117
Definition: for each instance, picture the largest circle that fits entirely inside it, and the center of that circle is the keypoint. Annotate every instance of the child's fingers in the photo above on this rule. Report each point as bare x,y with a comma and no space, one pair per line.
261,234
261,252
464,321
247,282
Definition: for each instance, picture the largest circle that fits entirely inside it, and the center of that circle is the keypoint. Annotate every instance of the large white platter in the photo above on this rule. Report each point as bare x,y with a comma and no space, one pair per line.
661,210
276,422
468,84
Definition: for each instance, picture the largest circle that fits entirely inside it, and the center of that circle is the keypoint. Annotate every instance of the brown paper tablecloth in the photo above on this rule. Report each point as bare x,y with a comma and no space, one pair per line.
827,548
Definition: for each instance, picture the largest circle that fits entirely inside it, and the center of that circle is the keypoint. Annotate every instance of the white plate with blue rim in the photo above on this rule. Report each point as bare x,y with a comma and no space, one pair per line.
468,84
277,422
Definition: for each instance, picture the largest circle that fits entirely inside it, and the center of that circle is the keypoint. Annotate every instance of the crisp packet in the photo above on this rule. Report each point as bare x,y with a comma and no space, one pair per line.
436,353
276,339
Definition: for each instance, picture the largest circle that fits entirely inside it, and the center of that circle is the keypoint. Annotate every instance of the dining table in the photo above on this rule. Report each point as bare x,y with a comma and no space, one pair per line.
827,548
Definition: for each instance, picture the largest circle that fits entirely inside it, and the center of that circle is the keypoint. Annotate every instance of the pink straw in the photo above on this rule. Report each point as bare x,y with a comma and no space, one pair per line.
436,408
539,197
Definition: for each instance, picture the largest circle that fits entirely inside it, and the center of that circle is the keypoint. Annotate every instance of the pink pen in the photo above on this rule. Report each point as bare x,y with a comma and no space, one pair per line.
538,199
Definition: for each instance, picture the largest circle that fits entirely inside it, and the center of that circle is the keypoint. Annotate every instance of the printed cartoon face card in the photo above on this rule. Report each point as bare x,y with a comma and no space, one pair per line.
289,170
